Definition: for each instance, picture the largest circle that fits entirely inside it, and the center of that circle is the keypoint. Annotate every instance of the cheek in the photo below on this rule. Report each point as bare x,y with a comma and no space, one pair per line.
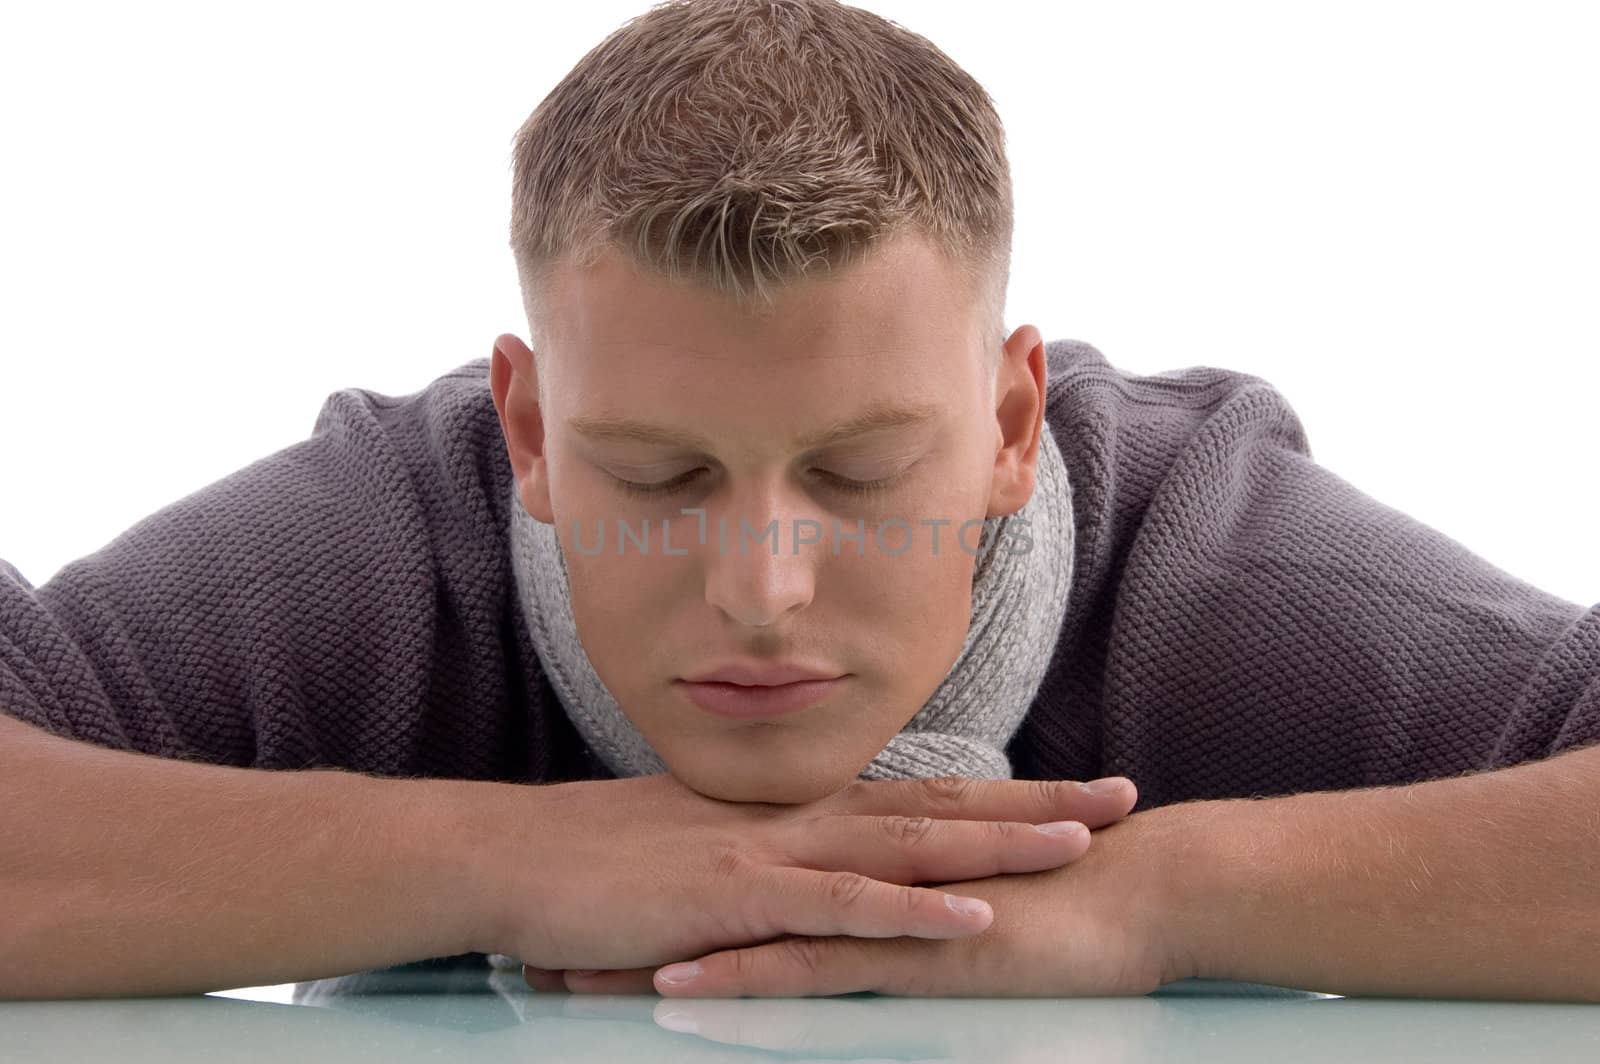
614,601
929,568
608,586
912,607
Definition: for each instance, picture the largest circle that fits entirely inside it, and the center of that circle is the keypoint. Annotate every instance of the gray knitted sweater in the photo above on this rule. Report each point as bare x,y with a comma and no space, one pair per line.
1241,621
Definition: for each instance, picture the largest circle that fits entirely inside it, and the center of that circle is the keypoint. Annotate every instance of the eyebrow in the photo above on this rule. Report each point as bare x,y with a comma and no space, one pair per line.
883,415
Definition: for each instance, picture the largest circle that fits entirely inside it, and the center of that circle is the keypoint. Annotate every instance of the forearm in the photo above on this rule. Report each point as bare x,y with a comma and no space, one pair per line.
122,874
1482,886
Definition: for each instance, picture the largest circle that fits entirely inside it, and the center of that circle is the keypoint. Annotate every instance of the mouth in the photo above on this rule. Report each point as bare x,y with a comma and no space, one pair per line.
758,702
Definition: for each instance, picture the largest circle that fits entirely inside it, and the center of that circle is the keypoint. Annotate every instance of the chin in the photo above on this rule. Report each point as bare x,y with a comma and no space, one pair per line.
754,783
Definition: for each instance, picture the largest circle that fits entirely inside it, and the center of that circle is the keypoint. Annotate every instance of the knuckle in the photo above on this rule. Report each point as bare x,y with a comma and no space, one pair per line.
846,888
803,955
743,964
908,830
731,865
948,790
734,897
1047,793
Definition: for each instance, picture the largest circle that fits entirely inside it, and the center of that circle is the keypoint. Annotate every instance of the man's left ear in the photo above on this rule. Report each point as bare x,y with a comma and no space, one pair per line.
1019,393
514,381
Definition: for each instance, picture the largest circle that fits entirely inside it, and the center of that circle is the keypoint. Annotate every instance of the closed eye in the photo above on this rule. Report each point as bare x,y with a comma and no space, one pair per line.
835,483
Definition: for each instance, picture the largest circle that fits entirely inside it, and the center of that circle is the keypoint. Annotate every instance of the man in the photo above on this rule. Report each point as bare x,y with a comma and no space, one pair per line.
767,358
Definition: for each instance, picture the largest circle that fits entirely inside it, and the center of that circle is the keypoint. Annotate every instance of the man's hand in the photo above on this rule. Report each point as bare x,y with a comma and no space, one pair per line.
1097,926
642,871
1479,886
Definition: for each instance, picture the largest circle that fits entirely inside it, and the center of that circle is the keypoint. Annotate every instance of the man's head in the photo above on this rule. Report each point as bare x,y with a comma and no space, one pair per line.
747,223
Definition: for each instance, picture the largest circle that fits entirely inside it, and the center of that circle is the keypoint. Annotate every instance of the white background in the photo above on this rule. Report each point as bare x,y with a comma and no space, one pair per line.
211,216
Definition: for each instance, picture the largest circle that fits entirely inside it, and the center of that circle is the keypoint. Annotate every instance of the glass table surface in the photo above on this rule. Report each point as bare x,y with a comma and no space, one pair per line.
461,1008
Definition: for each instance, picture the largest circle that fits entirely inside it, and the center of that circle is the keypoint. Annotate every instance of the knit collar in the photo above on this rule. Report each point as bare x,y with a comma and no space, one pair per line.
1020,584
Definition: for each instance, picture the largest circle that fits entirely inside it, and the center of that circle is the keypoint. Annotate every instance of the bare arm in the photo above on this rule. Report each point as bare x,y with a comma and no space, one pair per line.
125,874
1481,886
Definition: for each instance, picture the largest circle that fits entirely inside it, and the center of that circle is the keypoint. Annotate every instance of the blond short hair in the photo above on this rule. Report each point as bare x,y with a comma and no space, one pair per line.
745,144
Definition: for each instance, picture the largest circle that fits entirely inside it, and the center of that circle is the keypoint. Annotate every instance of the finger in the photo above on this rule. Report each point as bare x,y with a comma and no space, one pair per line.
803,901
798,966
911,849
543,979
965,798
611,981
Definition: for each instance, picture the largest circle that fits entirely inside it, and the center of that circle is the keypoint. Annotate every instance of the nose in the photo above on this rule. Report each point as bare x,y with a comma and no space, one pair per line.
757,573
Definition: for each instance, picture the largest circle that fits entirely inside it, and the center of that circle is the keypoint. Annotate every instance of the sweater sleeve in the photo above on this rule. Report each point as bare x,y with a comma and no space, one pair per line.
305,611
1277,630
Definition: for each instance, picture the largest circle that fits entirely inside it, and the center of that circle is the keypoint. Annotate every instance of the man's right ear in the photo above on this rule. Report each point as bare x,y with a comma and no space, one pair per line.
514,380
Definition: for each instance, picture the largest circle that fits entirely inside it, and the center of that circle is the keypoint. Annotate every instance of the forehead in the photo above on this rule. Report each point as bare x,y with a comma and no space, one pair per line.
880,415
641,360
904,306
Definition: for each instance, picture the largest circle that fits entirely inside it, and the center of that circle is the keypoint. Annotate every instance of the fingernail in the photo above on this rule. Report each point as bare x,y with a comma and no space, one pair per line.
583,973
1060,827
966,906
679,973
678,1021
1107,785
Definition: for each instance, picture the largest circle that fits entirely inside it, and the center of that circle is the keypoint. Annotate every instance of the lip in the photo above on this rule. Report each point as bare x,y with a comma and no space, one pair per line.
759,701
763,674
